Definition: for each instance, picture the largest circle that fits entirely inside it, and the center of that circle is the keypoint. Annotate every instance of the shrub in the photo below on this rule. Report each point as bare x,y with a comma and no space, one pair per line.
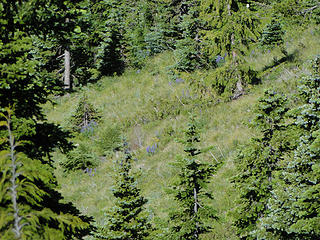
272,35
81,157
84,116
109,139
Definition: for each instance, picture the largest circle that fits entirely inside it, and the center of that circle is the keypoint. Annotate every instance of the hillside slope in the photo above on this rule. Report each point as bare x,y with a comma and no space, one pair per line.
148,107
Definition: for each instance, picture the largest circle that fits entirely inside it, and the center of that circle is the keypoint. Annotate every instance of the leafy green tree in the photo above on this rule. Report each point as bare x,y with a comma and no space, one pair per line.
127,219
193,216
256,164
294,206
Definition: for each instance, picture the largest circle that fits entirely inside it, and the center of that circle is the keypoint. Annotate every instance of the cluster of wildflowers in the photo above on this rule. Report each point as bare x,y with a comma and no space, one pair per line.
152,149
219,59
90,171
178,80
89,128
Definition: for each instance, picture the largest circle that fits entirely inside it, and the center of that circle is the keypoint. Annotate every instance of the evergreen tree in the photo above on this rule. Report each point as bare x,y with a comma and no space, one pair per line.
127,219
272,35
30,208
193,216
294,206
232,27
256,164
27,79
188,52
85,115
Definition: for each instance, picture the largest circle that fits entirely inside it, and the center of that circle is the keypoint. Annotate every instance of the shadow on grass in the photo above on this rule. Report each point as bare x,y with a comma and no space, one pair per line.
287,58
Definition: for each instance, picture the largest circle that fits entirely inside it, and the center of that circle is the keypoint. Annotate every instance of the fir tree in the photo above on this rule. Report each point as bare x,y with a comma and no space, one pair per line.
85,115
27,80
188,52
127,219
256,164
294,206
232,26
30,208
193,216
272,35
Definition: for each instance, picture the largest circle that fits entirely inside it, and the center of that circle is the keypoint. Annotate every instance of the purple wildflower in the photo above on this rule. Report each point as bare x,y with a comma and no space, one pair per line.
179,80
219,59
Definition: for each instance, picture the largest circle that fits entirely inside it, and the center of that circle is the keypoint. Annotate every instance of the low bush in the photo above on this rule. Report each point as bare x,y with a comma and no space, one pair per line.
81,157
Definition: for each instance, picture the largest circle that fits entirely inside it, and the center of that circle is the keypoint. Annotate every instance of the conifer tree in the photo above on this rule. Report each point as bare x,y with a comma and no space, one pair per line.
193,217
272,35
27,80
256,164
127,219
85,115
294,206
188,52
232,26
29,206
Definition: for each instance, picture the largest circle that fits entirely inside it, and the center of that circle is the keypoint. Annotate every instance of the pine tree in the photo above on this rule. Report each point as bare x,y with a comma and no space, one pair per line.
193,216
272,35
27,79
30,208
256,164
188,52
127,219
232,26
85,115
294,206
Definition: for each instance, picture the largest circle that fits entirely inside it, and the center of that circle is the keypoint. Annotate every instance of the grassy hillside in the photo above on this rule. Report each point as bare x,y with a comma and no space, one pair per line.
149,106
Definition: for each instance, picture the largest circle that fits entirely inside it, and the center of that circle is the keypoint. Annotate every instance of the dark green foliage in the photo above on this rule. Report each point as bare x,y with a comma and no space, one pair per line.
81,157
189,53
297,12
272,35
230,80
29,32
109,139
193,216
231,27
106,36
256,163
127,219
294,206
85,117
40,207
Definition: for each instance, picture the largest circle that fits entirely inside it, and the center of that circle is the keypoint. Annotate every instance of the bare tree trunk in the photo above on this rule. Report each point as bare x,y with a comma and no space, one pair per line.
17,227
195,210
67,81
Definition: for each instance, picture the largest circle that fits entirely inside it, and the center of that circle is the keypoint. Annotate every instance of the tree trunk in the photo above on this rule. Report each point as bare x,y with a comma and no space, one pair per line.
67,80
17,226
195,209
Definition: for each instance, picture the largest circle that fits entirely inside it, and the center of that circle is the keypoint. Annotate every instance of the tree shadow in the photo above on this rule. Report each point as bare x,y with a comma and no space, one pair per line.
287,58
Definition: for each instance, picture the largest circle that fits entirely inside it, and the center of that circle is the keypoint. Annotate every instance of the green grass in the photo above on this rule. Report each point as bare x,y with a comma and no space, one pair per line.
137,103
